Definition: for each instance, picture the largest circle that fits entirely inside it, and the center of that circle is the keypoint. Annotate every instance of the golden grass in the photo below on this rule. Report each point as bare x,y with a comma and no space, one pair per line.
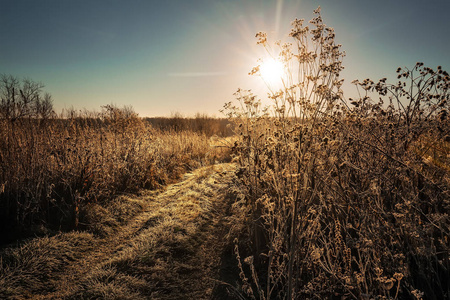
170,250
52,170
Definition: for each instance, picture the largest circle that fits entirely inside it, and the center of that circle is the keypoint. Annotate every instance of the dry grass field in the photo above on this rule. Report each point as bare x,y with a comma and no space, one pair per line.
314,196
163,244
53,168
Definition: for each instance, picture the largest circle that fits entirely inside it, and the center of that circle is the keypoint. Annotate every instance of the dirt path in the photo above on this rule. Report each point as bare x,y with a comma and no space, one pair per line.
170,250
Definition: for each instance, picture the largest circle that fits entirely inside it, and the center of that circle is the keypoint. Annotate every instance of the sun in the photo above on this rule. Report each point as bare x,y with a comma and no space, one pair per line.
272,71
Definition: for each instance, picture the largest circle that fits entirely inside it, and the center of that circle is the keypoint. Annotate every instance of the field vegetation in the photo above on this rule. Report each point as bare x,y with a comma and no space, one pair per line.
163,244
344,198
52,167
319,197
200,123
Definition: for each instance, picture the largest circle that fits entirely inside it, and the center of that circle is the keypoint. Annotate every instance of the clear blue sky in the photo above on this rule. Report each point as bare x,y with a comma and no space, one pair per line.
190,56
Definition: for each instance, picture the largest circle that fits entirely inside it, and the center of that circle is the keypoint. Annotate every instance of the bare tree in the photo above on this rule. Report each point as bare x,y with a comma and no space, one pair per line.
23,99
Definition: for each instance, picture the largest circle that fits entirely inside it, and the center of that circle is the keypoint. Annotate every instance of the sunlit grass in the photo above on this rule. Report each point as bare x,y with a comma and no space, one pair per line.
170,250
53,168
338,198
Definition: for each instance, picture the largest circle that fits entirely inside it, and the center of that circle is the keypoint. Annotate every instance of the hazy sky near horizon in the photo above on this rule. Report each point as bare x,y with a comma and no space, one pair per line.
190,56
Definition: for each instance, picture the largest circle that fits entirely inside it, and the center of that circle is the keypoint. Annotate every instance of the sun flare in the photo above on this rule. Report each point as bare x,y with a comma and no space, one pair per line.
272,71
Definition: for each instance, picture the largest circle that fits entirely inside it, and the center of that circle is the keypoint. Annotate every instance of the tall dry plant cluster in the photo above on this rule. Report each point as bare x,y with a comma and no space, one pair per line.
53,166
344,199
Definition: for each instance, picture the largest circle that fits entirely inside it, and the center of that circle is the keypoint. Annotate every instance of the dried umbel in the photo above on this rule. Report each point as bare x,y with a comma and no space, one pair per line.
341,198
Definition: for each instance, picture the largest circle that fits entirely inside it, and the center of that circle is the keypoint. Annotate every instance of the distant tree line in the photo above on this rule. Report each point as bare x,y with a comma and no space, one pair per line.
200,123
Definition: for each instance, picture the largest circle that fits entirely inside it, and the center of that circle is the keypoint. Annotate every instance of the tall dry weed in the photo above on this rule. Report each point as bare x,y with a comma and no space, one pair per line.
342,197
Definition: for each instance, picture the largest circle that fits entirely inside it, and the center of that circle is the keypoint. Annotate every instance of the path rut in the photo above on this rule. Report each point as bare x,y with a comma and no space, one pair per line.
170,250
